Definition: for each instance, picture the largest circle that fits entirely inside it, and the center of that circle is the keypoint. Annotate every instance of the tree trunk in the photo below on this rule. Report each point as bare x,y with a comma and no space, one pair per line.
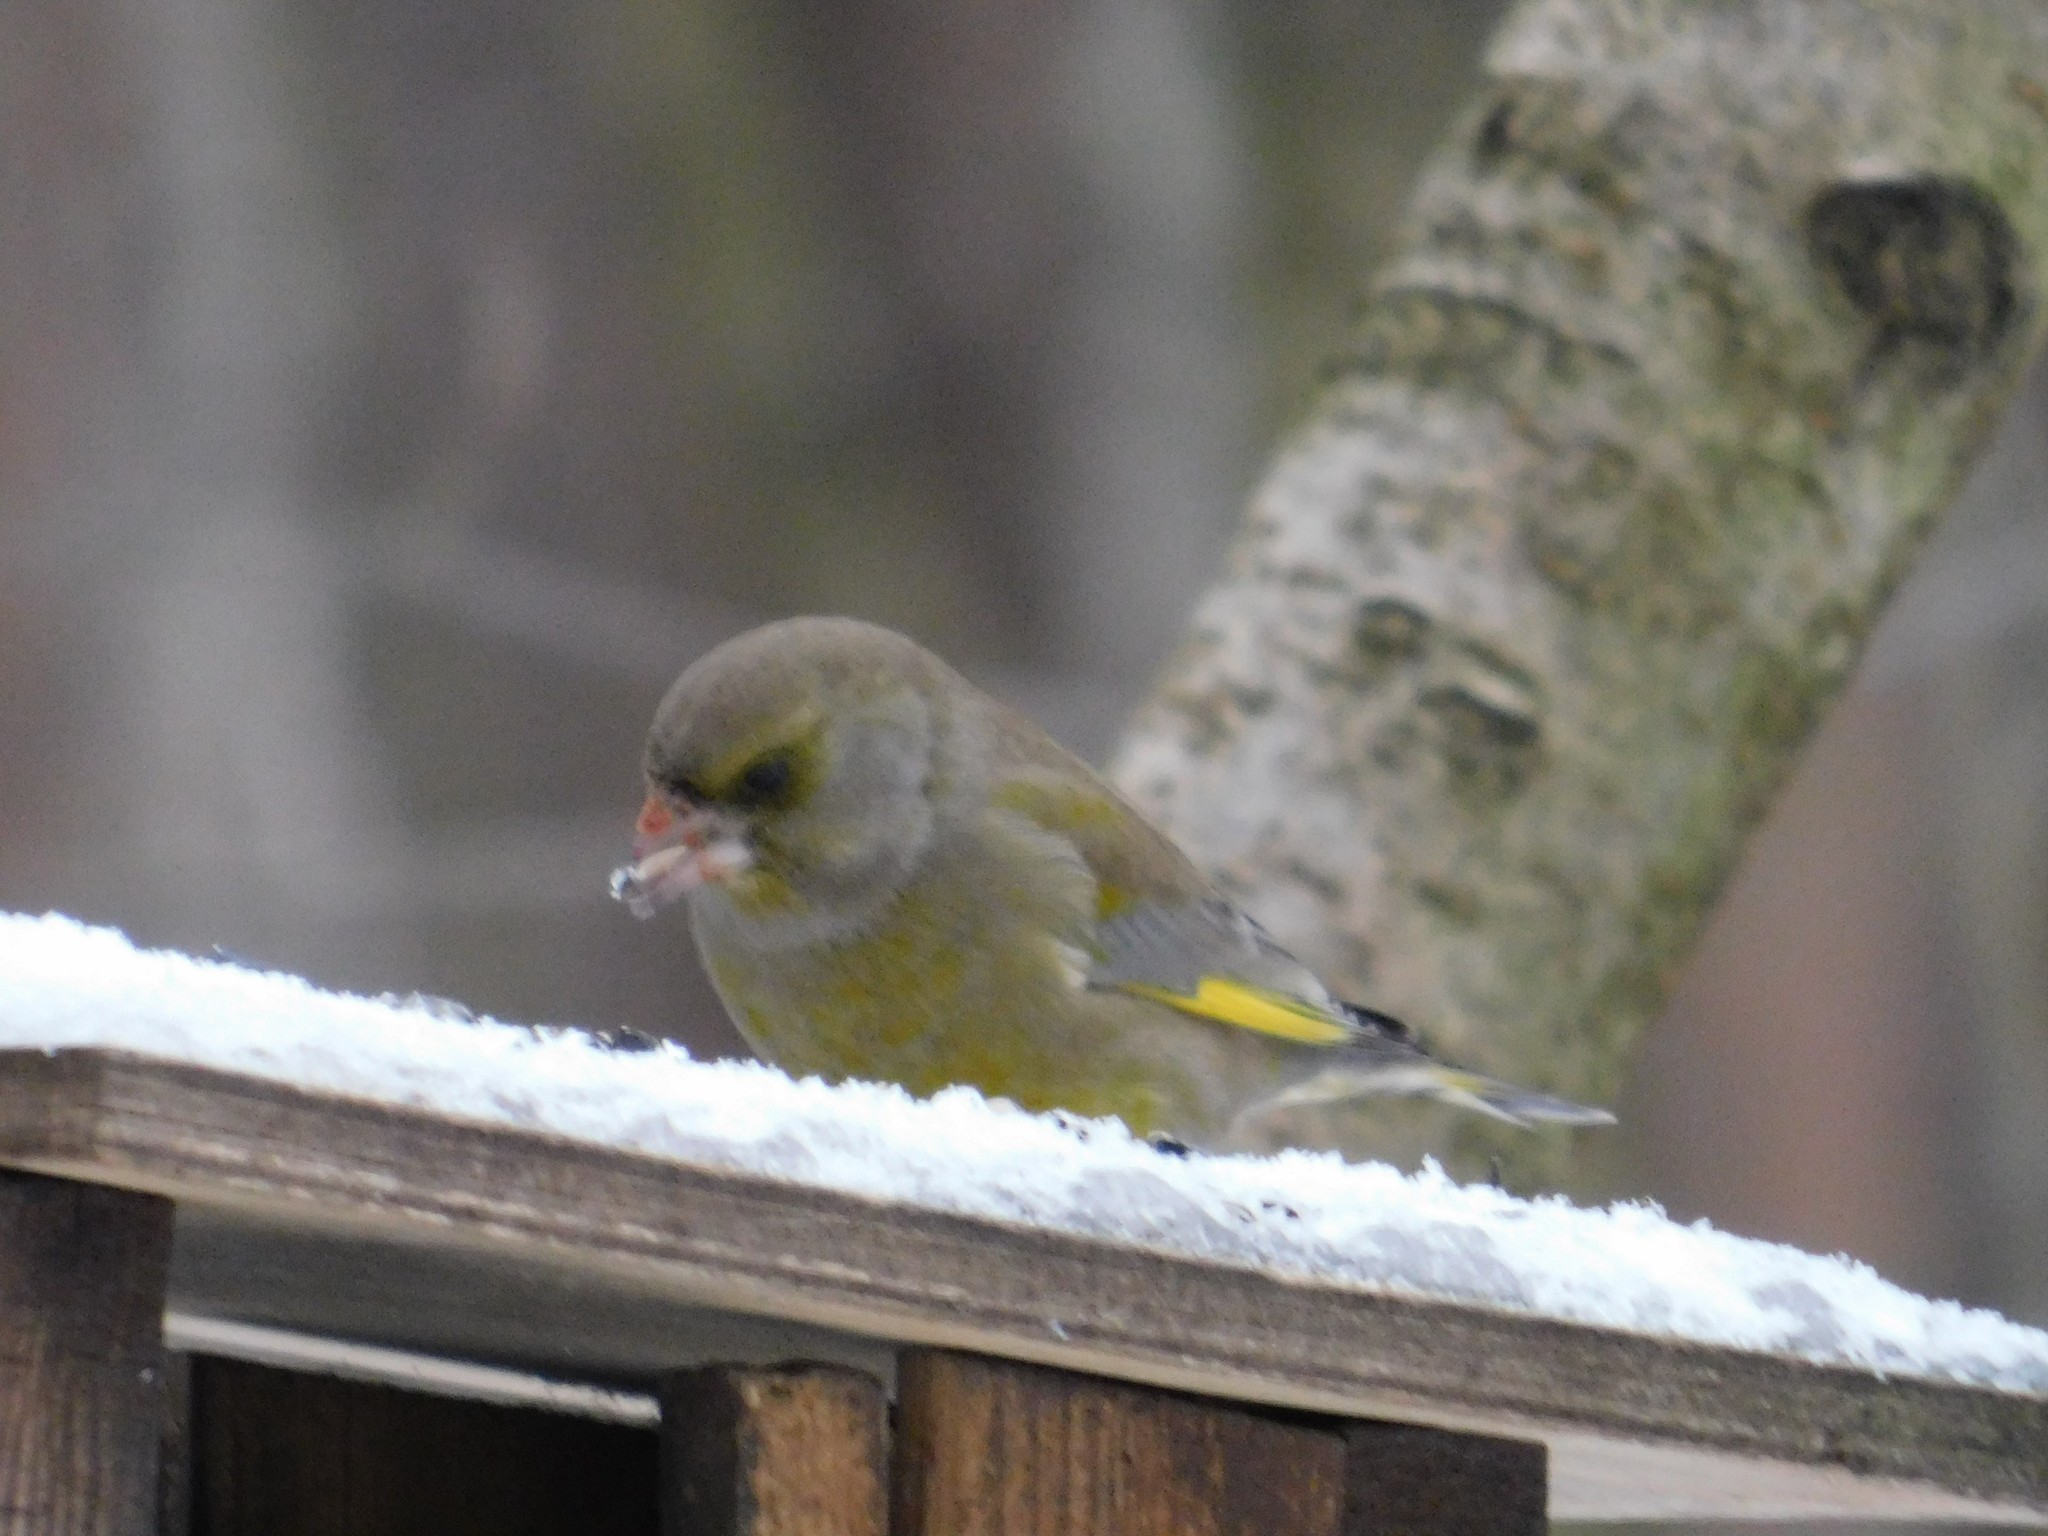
1695,323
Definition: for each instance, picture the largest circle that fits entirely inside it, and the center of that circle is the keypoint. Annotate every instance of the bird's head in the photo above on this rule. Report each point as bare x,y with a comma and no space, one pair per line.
791,772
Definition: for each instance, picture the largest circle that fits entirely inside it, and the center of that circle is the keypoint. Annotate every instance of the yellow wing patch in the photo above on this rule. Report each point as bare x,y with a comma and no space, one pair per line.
1254,1008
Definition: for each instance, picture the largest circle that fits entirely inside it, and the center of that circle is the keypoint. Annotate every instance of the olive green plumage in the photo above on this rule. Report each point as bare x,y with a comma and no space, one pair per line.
890,875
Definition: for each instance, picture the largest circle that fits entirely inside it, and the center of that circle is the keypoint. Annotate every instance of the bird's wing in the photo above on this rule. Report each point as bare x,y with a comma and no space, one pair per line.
1208,959
1160,930
1212,961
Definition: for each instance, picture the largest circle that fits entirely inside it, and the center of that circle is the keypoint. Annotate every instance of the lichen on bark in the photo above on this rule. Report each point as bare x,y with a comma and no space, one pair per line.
1695,324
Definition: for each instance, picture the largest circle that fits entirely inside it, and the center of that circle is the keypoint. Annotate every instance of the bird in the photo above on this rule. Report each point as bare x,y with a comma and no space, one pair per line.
890,875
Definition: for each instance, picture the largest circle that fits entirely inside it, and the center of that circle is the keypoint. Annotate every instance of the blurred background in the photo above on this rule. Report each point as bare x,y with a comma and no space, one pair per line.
395,395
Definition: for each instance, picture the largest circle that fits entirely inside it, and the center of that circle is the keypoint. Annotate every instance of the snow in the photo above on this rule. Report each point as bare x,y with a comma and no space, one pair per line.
1301,1215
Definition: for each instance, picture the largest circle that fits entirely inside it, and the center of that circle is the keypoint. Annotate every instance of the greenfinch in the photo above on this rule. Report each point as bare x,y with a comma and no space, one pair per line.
890,875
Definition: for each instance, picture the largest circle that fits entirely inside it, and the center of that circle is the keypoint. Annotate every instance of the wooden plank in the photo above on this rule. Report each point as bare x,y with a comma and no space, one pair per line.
556,1231
1411,1480
755,1451
437,1376
277,1453
991,1448
83,1271
174,1448
552,1312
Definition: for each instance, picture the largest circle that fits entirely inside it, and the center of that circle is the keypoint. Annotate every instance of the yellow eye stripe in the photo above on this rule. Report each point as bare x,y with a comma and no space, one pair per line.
1269,1013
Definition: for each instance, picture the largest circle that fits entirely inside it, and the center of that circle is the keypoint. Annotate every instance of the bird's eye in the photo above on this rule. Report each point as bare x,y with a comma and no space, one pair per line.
765,780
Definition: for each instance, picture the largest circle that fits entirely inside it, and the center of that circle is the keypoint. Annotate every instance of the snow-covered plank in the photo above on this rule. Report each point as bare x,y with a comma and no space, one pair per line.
387,1173
1638,1424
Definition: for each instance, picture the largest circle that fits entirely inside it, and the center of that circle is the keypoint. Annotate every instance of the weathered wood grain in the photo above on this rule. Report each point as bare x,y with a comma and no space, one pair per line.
991,1448
760,1451
83,1271
1638,1426
281,1453
1411,1480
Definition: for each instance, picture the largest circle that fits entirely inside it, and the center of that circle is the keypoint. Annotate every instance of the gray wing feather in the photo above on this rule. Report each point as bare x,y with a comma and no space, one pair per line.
1174,947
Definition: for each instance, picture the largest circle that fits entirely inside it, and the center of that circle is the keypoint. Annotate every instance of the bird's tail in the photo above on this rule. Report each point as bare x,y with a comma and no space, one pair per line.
1506,1101
1418,1077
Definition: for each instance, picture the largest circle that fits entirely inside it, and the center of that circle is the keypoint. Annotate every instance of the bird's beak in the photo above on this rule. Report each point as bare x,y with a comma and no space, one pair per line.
676,851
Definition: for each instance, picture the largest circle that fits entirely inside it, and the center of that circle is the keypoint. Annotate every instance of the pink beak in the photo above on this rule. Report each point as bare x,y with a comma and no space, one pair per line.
674,853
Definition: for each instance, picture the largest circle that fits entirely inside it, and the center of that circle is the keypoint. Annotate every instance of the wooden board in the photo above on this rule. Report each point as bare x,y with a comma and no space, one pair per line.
82,1278
987,1447
281,1453
554,1234
774,1451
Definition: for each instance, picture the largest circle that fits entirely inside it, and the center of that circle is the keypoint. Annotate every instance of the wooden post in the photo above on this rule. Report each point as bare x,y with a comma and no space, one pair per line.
82,1277
1408,1480
989,1448
756,1451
